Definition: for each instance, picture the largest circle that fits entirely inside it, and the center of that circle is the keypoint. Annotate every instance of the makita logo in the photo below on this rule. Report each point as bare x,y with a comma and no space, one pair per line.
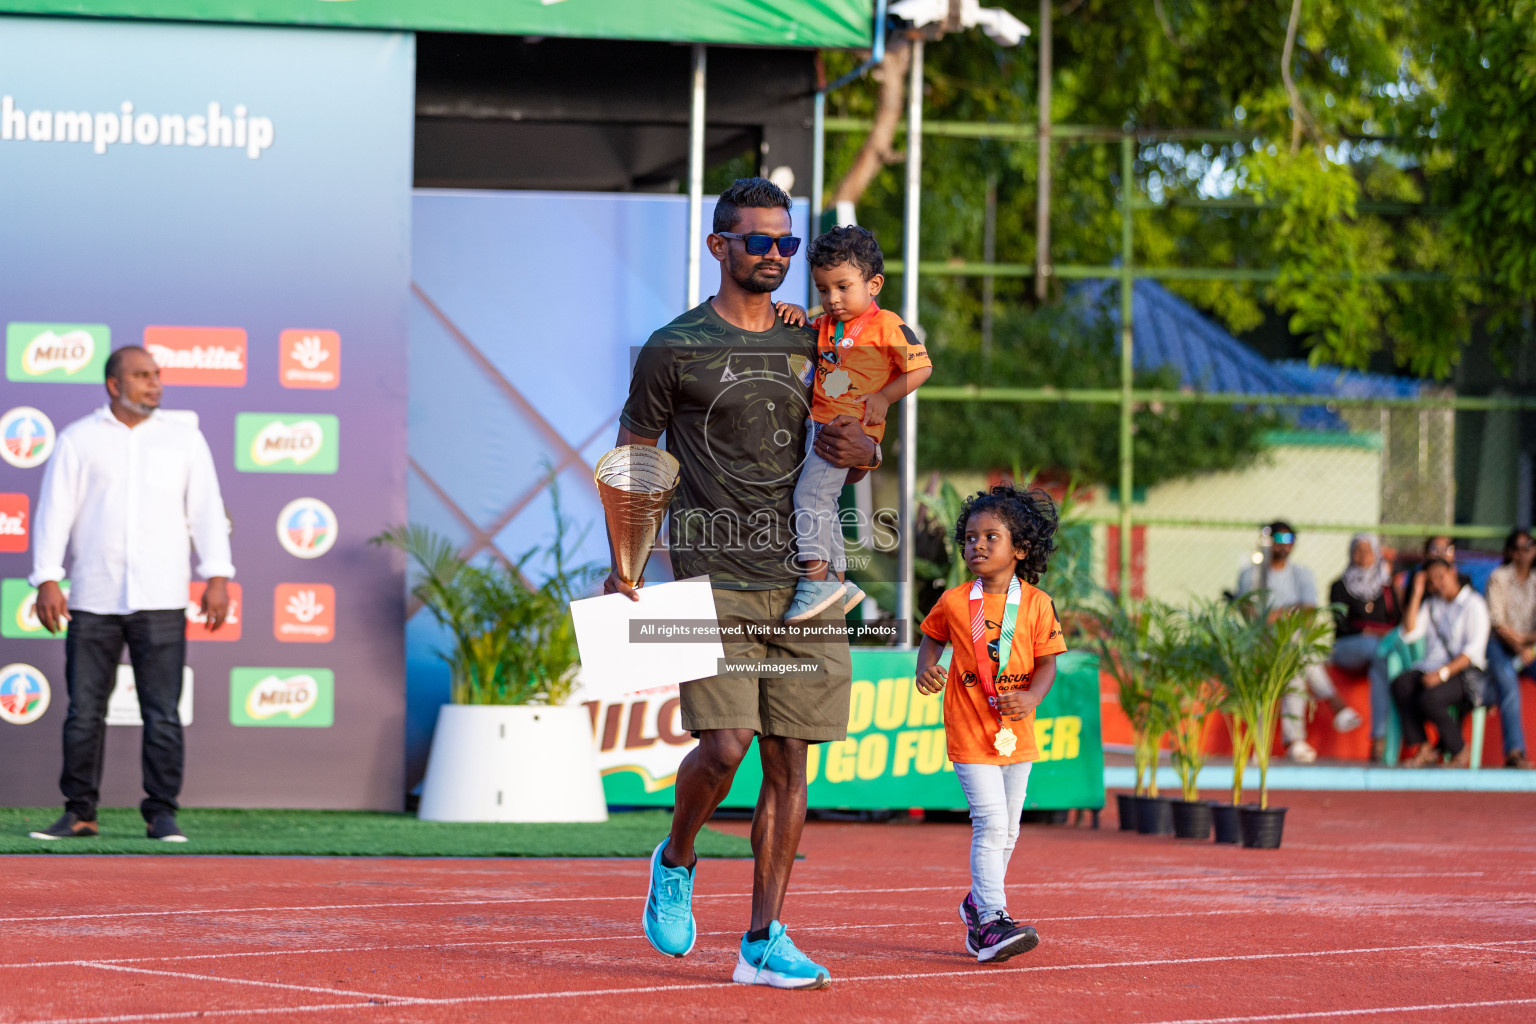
297,442
207,356
70,352
198,358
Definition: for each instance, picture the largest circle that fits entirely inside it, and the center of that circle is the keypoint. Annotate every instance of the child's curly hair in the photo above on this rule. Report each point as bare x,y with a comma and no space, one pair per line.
1030,516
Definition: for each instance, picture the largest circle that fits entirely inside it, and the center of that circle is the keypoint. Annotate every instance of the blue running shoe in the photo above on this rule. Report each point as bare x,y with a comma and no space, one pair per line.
668,918
775,961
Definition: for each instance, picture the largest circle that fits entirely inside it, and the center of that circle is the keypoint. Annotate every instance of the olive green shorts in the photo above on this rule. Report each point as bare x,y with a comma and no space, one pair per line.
792,704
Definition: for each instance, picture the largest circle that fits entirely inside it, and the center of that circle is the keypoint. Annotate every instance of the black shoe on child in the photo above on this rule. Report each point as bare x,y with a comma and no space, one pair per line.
971,918
164,828
1003,938
68,827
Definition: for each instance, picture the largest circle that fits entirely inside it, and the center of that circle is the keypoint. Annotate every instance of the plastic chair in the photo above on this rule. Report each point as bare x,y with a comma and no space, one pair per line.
1400,656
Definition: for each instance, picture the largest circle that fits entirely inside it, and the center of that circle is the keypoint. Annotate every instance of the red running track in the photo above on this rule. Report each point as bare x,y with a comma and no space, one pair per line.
1380,907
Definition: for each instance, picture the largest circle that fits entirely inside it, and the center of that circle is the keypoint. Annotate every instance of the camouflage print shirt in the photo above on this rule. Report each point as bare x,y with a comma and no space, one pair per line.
733,406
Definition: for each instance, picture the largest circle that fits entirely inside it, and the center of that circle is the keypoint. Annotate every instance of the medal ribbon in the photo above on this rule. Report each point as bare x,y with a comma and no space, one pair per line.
1004,641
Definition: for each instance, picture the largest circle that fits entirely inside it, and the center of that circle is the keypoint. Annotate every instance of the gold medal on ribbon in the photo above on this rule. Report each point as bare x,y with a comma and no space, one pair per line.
1005,741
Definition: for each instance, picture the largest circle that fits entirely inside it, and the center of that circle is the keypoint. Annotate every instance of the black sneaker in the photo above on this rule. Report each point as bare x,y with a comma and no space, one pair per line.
164,828
1002,938
68,827
971,918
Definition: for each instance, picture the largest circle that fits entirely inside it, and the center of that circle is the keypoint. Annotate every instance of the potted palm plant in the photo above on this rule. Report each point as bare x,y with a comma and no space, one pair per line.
1122,642
1232,629
1130,643
506,748
1195,673
1279,653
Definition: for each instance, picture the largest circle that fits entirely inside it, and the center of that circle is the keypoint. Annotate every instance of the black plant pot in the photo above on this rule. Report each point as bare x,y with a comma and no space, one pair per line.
1155,817
1262,828
1129,805
1228,827
1191,819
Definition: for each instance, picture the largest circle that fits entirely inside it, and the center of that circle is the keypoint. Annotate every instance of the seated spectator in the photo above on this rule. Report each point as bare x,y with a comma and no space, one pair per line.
1287,585
1512,650
1365,609
1452,618
1439,546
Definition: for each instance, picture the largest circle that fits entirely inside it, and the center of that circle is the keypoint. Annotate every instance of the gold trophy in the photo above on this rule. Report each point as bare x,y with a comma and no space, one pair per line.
635,483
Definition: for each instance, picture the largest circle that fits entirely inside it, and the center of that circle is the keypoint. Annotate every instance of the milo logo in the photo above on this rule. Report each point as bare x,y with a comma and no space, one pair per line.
18,611
66,353
275,443
282,697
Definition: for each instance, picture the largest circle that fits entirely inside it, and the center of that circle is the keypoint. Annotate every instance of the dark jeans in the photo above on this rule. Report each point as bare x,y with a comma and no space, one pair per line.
1417,703
157,648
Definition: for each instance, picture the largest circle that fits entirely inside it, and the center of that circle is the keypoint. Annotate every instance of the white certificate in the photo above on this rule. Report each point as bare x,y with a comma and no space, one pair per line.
664,639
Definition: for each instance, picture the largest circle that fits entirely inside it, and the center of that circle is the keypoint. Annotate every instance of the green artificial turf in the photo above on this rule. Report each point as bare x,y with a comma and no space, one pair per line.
359,834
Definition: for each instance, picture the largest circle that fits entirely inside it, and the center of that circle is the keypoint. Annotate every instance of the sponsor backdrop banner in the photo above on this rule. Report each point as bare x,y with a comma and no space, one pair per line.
236,200
894,756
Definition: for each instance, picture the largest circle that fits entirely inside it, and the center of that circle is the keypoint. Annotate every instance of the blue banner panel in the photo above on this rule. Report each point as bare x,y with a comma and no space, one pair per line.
236,200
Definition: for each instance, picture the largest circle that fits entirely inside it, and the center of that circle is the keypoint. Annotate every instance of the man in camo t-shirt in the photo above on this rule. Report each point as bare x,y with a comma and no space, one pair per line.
729,385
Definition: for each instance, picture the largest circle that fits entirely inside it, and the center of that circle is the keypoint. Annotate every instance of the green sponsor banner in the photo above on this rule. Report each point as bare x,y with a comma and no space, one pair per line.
829,23
57,353
895,754
18,611
302,697
286,443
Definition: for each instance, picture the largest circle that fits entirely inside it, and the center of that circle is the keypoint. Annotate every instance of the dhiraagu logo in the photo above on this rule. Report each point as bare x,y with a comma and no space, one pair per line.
57,353
278,443
304,697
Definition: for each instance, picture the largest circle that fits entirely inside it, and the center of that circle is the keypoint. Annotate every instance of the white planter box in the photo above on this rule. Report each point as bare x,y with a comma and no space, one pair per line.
521,763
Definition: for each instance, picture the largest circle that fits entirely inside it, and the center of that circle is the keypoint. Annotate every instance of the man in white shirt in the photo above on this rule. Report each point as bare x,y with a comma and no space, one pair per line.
126,490
1452,618
1288,585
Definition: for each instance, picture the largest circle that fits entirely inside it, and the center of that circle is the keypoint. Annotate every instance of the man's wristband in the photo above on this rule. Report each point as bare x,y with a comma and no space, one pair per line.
1444,673
879,458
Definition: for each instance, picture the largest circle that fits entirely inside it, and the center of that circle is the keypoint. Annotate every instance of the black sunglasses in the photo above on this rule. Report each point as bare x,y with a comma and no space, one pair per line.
758,245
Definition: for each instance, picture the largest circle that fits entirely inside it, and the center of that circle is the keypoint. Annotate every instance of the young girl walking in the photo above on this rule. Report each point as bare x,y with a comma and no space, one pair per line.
1006,637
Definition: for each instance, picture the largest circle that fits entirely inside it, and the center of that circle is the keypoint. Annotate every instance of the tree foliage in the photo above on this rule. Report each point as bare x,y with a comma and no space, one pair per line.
1407,149
1074,347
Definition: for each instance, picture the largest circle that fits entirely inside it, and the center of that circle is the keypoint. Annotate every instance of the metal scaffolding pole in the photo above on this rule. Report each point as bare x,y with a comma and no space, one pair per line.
696,174
1043,161
906,579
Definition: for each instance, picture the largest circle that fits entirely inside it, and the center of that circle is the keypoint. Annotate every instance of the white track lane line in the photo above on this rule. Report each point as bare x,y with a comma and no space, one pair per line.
367,997
1172,880
974,973
1288,908
1362,1012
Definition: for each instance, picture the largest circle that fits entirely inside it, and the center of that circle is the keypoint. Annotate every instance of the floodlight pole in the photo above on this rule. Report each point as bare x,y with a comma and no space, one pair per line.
906,578
1127,340
696,173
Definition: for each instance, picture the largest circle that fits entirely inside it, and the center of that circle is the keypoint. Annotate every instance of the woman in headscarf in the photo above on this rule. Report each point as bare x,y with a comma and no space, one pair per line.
1369,611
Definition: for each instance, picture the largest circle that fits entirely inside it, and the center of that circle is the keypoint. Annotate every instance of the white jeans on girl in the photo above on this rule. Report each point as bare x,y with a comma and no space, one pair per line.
995,793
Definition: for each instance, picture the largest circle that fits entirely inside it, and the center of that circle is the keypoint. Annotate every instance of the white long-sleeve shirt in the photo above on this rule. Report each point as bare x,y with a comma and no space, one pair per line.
1453,628
129,502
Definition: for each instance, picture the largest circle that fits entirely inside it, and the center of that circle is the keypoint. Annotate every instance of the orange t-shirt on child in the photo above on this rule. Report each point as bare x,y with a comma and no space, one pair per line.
875,349
969,722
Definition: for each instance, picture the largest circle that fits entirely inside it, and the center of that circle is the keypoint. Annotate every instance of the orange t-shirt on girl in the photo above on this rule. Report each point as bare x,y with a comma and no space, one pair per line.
875,349
969,722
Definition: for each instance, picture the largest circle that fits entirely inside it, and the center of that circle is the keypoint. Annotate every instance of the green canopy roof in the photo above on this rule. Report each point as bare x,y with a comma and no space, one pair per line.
821,23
